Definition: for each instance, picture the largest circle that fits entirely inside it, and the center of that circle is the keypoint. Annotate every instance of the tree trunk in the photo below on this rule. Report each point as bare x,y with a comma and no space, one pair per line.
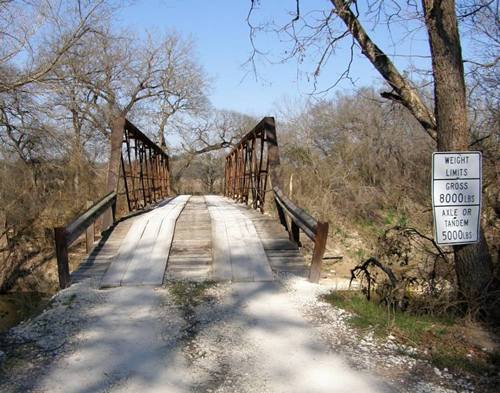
76,158
473,264
161,132
3,238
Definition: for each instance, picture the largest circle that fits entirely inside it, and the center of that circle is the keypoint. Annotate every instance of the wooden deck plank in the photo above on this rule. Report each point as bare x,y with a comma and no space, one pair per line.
246,259
144,252
140,260
221,269
155,271
282,253
190,256
119,265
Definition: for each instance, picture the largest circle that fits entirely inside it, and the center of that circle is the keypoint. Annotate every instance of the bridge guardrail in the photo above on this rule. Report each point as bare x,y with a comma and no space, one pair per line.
315,230
65,236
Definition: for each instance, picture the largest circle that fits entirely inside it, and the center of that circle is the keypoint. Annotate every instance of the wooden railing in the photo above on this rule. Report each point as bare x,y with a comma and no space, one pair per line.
249,165
65,236
315,230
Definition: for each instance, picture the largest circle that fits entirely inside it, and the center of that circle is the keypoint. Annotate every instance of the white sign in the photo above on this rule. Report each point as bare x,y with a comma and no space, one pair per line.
456,196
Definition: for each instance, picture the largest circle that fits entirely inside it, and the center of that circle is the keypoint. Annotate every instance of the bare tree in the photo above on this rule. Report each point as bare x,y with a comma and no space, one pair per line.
42,147
125,77
37,34
184,83
206,134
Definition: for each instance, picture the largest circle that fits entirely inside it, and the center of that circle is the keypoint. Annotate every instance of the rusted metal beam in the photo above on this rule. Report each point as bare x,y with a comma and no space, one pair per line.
147,177
250,163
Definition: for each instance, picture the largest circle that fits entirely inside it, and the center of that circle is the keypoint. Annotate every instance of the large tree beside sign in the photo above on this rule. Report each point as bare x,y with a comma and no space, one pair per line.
472,262
446,123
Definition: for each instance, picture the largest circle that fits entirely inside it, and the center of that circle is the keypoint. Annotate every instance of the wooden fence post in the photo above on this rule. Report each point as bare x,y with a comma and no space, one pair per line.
113,211
62,257
281,215
295,233
319,251
89,232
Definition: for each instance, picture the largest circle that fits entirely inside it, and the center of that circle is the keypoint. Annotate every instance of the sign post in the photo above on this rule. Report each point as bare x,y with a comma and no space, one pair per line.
456,197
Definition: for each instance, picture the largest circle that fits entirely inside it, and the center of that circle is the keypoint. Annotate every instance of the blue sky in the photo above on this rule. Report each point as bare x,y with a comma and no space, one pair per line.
221,35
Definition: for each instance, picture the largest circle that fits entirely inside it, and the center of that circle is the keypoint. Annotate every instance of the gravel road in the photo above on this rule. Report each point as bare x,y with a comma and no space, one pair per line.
207,337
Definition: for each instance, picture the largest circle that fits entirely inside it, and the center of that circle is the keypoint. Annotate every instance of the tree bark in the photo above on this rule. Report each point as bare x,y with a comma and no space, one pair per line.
405,93
76,153
449,85
473,263
3,238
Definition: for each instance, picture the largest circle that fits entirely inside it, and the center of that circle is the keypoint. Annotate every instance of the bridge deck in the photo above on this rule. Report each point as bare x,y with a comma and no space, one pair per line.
193,238
237,249
190,257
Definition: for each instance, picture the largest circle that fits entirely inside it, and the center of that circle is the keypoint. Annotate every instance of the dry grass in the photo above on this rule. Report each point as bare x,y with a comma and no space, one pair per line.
445,340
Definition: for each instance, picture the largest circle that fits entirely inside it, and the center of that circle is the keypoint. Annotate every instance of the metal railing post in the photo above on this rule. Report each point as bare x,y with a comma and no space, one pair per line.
281,215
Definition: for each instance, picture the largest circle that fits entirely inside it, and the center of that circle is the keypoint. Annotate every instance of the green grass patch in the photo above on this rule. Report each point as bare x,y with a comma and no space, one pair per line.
438,338
68,302
192,293
394,217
